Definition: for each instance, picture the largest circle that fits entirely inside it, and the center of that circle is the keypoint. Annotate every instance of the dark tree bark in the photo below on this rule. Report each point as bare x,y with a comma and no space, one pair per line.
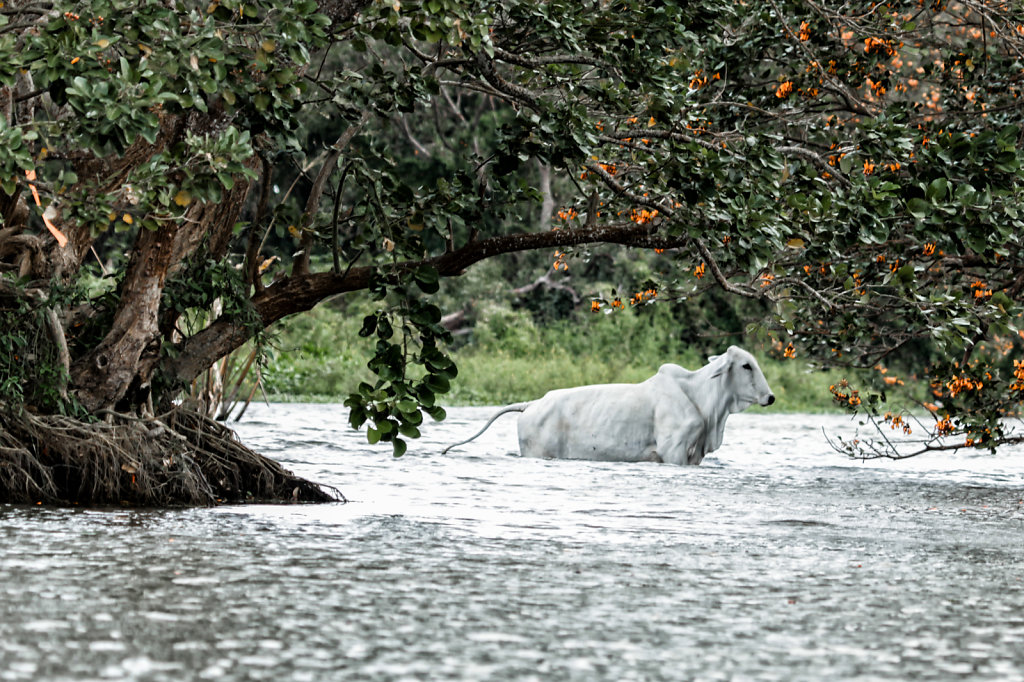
102,377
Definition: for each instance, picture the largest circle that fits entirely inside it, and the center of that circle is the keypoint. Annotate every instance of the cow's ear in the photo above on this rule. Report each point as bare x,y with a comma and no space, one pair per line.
723,366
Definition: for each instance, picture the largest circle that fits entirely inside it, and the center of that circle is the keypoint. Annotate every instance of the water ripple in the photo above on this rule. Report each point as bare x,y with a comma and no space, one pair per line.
775,560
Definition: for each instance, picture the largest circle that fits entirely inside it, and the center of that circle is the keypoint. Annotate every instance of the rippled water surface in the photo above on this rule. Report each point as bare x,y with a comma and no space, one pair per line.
777,559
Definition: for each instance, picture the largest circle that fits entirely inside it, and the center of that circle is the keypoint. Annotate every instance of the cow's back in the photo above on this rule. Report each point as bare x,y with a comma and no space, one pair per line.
602,422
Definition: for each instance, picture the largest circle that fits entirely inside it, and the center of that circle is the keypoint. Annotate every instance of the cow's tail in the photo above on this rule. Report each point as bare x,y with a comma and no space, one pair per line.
514,407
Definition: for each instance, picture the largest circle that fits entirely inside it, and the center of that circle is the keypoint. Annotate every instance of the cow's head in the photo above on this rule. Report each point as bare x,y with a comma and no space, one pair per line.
745,384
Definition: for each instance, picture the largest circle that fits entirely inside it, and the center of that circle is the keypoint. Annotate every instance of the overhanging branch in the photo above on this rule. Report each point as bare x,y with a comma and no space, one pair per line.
299,293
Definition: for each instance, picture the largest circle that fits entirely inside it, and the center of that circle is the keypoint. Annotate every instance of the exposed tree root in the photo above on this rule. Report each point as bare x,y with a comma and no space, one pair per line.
179,459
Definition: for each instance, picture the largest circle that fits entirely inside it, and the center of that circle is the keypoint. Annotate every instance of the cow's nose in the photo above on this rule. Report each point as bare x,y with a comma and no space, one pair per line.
771,399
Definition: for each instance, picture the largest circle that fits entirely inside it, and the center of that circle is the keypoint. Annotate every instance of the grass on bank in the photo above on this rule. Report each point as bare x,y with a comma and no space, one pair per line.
320,357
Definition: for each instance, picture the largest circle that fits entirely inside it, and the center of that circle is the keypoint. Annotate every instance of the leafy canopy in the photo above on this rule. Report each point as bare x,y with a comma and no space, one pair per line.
855,165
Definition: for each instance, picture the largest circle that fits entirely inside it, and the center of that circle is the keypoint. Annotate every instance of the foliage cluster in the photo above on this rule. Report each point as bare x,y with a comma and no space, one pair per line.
31,370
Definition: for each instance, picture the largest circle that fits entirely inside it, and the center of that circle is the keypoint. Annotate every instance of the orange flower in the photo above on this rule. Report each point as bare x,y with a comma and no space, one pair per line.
642,296
805,31
979,290
897,421
790,352
594,306
642,216
1018,373
872,45
944,426
698,271
868,167
962,383
784,90
851,399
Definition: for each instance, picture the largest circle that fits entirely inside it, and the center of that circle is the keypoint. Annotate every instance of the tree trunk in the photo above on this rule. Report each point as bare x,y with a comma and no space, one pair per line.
102,377
127,355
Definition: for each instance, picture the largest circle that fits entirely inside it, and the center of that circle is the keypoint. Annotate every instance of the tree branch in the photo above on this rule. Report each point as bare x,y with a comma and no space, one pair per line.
299,293
491,75
301,264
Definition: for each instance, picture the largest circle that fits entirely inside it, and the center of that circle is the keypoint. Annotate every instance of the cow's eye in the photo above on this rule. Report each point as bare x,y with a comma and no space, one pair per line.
746,366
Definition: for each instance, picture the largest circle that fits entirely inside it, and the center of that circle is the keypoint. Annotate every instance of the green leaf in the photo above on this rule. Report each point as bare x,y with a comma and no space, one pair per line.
408,430
426,274
369,326
937,189
919,208
356,417
437,383
414,418
426,279
436,412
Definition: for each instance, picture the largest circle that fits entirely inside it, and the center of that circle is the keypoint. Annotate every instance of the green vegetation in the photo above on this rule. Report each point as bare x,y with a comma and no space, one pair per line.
511,358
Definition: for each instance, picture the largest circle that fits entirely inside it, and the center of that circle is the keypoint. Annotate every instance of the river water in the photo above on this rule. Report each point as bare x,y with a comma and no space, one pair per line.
777,559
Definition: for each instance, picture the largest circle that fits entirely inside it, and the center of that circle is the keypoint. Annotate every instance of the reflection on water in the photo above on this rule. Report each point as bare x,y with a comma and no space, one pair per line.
775,560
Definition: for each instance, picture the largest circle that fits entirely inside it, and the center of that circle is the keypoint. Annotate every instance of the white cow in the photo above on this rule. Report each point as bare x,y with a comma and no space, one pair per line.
676,416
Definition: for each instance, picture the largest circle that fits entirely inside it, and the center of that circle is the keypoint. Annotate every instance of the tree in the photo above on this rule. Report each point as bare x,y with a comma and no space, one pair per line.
854,165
